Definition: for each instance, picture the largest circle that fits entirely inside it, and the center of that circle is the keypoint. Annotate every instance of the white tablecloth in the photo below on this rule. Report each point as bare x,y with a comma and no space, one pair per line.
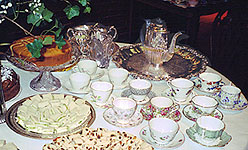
236,122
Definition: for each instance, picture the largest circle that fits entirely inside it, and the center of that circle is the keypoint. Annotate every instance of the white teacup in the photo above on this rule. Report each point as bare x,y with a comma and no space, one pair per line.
181,88
118,76
229,95
87,66
102,91
79,80
140,88
209,82
163,130
124,109
209,128
204,105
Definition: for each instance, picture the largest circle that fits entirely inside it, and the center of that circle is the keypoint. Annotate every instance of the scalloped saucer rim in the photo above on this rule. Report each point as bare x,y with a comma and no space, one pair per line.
107,104
67,85
195,80
110,117
168,93
128,93
194,118
176,142
99,73
221,142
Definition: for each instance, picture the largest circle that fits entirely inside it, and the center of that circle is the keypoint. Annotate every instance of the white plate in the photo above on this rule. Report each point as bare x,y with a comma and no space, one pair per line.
176,142
188,112
168,93
110,117
89,97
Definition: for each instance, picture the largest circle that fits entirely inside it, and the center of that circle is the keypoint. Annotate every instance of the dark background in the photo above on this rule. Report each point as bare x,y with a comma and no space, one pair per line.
228,53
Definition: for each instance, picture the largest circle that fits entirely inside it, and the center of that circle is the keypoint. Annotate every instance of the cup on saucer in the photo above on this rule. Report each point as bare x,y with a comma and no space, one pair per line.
229,96
118,76
140,89
87,66
163,130
124,109
209,128
204,105
79,81
101,90
181,88
209,82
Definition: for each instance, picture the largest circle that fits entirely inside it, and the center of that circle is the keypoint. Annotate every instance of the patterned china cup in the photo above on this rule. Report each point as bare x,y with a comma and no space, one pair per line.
118,76
204,105
124,108
181,88
209,82
101,91
140,88
163,130
229,96
209,128
87,66
79,80
162,107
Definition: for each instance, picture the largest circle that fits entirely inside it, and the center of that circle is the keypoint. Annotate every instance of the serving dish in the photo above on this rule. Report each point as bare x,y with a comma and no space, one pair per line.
11,120
185,63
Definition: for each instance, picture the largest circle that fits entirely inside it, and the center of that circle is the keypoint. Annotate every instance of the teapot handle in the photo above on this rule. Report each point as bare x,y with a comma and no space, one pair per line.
70,30
113,29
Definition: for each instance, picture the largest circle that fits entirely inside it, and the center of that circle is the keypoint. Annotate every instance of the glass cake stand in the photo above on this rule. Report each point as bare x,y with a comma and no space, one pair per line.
45,81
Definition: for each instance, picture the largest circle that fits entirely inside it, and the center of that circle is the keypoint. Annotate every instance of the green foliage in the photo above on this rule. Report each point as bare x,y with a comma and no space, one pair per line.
47,41
72,11
60,42
35,48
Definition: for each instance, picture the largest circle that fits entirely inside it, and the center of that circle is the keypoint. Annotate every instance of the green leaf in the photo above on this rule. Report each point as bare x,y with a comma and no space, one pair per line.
56,23
35,48
47,15
34,19
87,10
71,11
83,2
60,41
47,41
58,32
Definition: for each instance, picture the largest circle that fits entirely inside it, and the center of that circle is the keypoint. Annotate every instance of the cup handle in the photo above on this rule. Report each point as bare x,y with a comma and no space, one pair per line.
70,30
113,29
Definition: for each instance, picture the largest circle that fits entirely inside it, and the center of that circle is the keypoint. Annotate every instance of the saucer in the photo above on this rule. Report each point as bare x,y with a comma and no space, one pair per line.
197,86
128,93
220,142
67,85
176,142
239,104
91,98
188,112
168,93
110,117
99,73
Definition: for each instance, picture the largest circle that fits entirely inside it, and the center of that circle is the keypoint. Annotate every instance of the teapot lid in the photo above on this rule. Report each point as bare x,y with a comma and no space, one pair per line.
158,25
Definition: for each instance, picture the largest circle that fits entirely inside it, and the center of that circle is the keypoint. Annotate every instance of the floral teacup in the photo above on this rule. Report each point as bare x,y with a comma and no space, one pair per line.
162,107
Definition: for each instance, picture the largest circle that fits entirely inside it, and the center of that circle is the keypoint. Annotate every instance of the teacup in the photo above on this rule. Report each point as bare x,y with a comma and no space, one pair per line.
87,66
181,88
118,76
229,95
79,80
160,107
140,88
163,130
209,128
204,105
124,108
209,82
101,91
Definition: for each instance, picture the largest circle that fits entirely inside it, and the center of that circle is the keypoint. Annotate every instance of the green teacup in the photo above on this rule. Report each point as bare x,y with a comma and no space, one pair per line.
209,128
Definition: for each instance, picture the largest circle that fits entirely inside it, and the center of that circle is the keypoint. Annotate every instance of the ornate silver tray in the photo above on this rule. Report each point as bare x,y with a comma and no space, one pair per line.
13,124
185,63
